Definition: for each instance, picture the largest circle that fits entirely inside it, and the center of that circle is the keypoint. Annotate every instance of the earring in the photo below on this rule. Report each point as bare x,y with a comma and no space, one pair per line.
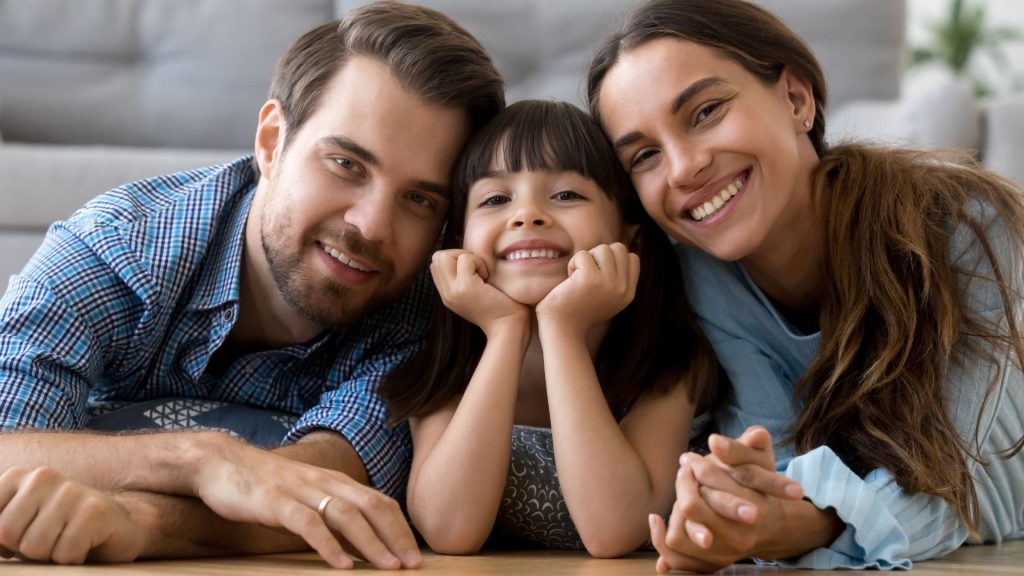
807,124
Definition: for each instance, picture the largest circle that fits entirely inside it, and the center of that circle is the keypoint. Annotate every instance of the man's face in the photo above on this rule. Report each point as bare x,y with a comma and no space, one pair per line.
356,201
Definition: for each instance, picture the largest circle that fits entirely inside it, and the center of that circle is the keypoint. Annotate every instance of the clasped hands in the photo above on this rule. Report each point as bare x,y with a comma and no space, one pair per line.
729,506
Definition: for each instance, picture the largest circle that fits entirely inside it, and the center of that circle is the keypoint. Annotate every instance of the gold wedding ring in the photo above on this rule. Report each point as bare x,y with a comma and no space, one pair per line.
321,508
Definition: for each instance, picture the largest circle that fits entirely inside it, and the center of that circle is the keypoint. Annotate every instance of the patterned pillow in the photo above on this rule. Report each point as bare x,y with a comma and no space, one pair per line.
259,426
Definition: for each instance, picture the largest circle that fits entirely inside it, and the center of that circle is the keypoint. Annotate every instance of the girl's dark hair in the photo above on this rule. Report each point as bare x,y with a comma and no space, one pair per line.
895,316
650,345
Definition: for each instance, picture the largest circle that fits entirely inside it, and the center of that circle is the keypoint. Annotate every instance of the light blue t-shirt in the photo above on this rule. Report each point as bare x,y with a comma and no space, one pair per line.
764,357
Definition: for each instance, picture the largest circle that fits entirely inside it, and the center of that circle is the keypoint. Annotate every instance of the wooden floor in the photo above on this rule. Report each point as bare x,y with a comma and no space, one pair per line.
973,560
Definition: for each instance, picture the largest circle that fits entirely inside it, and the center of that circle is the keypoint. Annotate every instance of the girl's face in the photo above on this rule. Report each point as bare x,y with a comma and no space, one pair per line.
720,159
527,225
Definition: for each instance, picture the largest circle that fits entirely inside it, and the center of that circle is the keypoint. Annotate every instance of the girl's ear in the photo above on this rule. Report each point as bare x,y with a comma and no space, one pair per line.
800,96
631,237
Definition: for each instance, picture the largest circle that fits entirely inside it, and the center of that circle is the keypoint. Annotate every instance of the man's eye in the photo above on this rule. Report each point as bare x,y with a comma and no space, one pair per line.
421,200
349,165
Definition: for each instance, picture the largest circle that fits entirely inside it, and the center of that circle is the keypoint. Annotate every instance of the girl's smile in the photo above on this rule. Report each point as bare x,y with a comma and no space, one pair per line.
526,226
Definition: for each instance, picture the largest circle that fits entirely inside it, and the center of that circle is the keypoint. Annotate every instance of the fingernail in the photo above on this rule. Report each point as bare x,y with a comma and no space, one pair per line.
390,558
684,459
413,558
747,512
700,537
650,522
794,491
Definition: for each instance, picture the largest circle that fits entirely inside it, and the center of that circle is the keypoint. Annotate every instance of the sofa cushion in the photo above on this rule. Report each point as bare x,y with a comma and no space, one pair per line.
1004,137
180,73
936,111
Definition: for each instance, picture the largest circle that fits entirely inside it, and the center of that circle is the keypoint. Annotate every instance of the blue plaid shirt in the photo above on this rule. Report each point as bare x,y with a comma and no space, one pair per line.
129,298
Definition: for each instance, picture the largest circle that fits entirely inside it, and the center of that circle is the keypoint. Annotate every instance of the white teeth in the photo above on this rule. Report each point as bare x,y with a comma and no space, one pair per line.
344,259
721,199
546,253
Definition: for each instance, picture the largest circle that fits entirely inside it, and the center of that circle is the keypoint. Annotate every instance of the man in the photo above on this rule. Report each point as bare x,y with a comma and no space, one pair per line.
281,281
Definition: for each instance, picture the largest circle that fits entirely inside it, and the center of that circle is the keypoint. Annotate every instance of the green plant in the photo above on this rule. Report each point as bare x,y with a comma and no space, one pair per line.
957,41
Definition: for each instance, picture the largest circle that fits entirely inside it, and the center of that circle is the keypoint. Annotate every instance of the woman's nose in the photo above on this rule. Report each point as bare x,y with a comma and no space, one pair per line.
686,163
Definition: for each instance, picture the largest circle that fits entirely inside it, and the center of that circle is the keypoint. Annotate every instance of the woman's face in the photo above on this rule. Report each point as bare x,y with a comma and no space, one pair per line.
720,159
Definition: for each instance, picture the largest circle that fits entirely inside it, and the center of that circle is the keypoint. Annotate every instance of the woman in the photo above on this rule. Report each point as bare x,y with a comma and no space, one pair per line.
864,303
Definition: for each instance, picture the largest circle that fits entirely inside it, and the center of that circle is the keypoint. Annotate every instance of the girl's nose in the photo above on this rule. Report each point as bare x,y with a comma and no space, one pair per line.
529,215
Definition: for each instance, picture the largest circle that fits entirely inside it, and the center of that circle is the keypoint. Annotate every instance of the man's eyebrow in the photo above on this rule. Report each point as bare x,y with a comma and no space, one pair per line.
678,102
351,146
439,188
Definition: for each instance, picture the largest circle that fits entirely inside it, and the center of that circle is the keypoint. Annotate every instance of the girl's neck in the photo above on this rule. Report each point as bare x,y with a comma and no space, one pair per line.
532,402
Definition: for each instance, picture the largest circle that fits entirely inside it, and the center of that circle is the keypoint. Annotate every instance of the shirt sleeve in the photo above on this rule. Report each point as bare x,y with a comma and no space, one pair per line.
54,317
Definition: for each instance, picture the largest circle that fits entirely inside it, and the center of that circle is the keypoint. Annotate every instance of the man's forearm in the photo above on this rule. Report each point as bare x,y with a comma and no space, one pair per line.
183,527
158,462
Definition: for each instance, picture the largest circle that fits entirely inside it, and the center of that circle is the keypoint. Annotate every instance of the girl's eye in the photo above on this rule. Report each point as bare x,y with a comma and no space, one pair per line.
566,195
706,111
643,157
494,200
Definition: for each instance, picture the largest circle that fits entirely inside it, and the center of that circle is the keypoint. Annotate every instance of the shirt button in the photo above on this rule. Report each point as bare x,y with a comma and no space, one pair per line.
228,315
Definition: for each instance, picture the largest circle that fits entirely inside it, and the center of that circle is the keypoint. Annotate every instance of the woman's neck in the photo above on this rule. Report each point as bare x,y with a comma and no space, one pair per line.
789,269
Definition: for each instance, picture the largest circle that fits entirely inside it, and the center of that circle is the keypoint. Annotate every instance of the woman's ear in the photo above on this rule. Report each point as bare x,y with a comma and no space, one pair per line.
269,136
800,96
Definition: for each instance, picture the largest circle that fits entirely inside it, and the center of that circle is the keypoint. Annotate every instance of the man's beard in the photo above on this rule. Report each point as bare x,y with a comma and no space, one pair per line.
331,305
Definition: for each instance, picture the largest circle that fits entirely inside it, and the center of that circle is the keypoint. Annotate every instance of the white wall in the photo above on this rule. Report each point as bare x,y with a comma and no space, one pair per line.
1001,13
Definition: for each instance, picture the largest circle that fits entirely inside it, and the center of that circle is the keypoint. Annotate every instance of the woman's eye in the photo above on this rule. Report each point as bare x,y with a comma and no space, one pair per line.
706,111
643,157
566,195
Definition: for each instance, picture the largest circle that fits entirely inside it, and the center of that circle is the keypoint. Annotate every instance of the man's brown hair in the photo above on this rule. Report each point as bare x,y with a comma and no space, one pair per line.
426,51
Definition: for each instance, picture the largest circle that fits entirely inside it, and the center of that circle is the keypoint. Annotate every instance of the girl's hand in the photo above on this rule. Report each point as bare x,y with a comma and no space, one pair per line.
461,280
602,281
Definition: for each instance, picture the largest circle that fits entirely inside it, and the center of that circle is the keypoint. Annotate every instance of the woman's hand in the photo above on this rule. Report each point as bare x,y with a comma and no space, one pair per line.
732,505
602,281
461,280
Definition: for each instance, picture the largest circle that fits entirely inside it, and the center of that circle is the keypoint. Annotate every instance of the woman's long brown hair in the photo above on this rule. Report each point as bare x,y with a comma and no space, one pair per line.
895,320
650,346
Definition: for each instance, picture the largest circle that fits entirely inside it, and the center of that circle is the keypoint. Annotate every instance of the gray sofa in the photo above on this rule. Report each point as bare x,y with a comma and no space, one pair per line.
94,93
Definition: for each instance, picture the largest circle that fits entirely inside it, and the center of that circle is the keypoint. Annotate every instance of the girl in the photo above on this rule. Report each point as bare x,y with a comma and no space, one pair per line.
864,303
542,329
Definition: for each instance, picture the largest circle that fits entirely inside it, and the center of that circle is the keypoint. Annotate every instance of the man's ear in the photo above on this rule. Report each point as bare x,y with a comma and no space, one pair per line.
270,135
800,96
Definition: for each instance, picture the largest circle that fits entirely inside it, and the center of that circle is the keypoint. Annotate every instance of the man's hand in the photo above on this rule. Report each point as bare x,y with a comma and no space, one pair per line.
245,484
45,516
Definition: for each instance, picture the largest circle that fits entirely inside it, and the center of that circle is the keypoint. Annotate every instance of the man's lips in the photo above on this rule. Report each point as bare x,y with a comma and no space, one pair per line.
347,260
